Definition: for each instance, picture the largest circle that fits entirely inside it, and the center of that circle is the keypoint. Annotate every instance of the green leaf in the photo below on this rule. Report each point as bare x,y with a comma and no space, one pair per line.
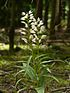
21,90
18,82
40,90
29,60
48,70
40,56
53,77
31,73
20,72
45,58
46,62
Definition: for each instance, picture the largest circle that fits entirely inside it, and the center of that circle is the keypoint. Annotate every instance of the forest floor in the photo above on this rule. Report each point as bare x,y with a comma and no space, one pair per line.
9,62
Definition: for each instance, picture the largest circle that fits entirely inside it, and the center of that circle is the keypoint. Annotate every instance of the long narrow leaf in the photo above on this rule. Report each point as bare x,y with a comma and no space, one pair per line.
18,82
21,90
20,72
40,90
40,56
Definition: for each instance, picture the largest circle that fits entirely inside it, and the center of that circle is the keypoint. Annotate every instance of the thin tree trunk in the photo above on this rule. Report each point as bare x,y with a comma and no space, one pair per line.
63,9
58,14
39,9
46,13
52,23
12,26
68,24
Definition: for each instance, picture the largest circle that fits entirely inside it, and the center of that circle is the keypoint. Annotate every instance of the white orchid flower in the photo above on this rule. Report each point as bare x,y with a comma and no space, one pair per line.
23,13
34,40
42,28
31,17
26,16
35,23
33,45
33,26
22,18
30,12
32,31
25,40
39,40
35,29
30,21
38,19
26,25
38,25
36,37
43,36
23,29
22,22
34,20
31,37
41,22
23,33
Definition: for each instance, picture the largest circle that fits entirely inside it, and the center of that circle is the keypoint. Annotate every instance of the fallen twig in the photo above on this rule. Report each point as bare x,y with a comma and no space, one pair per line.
60,89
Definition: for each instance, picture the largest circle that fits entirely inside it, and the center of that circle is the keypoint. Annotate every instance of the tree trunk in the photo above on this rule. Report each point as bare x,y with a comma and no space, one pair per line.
58,12
52,23
39,9
68,24
58,15
63,9
46,13
12,26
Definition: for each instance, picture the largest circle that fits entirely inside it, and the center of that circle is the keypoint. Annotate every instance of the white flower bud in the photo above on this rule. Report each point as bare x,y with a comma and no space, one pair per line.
26,16
26,25
23,33
33,45
35,23
30,21
38,19
40,41
43,36
23,13
38,25
30,12
31,37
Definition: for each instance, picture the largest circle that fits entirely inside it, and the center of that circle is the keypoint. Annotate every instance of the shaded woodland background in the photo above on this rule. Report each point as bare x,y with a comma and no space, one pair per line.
54,13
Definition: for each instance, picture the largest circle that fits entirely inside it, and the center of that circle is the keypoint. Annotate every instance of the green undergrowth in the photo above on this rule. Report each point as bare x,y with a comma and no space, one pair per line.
59,69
